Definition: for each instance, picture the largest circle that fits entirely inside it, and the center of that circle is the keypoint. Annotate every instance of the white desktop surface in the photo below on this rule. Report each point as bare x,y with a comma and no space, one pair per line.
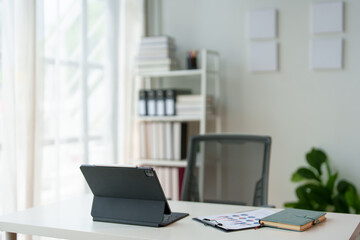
71,219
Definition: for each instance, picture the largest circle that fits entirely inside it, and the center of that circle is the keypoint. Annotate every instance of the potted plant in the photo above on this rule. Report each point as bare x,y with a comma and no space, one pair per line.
323,193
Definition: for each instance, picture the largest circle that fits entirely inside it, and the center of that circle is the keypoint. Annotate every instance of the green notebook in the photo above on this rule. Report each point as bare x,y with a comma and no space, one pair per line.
294,219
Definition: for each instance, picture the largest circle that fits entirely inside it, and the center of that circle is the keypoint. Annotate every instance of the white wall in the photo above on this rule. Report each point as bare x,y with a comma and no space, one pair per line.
298,107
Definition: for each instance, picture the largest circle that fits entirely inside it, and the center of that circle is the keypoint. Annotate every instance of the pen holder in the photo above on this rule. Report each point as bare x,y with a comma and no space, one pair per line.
191,62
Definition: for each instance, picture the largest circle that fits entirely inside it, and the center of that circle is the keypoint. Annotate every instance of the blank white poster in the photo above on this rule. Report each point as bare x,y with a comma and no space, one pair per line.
327,17
327,53
263,56
262,24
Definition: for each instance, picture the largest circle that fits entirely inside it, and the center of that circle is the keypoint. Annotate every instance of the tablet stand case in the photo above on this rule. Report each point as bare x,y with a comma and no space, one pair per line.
145,203
129,211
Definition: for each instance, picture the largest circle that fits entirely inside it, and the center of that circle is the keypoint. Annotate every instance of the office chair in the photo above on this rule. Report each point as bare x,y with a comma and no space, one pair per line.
227,168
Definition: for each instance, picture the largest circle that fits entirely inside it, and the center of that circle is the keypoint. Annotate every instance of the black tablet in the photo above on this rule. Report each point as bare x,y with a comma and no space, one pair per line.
130,195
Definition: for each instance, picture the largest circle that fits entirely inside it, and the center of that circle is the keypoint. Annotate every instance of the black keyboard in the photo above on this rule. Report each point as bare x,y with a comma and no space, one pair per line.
170,218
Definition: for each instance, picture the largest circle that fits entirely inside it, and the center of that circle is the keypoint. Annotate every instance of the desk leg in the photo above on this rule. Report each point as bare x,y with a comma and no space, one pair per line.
10,236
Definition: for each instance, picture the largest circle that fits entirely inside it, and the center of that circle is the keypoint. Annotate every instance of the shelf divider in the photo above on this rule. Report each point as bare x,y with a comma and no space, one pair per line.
175,73
160,162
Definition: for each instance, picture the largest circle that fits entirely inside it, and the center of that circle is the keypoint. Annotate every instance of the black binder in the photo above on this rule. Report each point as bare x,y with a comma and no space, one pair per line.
160,102
143,103
170,101
151,103
128,195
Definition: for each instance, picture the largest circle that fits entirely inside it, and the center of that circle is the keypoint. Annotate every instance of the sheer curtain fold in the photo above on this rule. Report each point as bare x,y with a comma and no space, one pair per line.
132,28
21,135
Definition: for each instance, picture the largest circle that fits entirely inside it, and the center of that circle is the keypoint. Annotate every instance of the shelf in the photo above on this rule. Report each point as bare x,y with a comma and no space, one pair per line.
194,118
208,73
170,118
162,163
175,73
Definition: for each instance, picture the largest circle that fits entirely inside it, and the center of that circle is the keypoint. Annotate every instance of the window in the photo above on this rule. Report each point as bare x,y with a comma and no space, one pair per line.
67,66
65,60
76,94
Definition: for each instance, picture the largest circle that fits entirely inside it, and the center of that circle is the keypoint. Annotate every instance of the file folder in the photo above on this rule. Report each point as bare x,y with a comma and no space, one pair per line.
170,102
160,102
151,103
143,103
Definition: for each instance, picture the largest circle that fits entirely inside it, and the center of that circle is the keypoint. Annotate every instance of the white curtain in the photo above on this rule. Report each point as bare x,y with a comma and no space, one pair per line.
21,92
127,17
132,28
44,84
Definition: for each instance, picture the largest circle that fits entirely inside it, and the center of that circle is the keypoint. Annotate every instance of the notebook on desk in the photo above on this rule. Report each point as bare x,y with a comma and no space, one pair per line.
130,195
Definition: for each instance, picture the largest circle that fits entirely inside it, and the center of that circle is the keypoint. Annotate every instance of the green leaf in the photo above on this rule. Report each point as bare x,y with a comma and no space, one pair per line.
316,158
290,204
343,186
307,206
296,177
357,211
331,182
320,194
352,186
314,195
307,173
341,204
352,198
303,194
299,205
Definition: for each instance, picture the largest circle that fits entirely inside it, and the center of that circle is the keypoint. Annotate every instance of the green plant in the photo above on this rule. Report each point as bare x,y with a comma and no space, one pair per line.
318,193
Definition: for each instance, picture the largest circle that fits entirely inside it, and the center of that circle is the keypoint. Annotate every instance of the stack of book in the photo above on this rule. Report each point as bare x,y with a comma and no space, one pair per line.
191,105
170,180
156,54
167,141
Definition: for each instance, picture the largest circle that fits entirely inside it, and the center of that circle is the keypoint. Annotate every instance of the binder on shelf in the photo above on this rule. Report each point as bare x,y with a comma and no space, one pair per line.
170,108
143,103
192,129
170,102
180,140
161,141
184,140
175,183
151,102
142,138
163,175
149,140
169,146
167,182
155,140
160,102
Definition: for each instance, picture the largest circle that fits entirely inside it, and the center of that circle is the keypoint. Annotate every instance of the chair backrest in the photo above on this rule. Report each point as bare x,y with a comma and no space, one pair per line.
227,168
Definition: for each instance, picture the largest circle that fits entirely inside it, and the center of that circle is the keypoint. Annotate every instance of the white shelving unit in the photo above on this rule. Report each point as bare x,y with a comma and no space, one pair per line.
208,73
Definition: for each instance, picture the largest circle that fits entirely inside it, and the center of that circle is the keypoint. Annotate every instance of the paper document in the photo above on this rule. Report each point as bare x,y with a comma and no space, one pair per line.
236,221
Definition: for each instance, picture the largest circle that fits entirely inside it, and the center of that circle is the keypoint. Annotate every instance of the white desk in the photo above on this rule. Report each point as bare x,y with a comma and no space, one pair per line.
71,220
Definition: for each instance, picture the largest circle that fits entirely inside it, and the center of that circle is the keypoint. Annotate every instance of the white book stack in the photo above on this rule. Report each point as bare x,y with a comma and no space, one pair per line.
191,105
156,54
167,141
169,180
